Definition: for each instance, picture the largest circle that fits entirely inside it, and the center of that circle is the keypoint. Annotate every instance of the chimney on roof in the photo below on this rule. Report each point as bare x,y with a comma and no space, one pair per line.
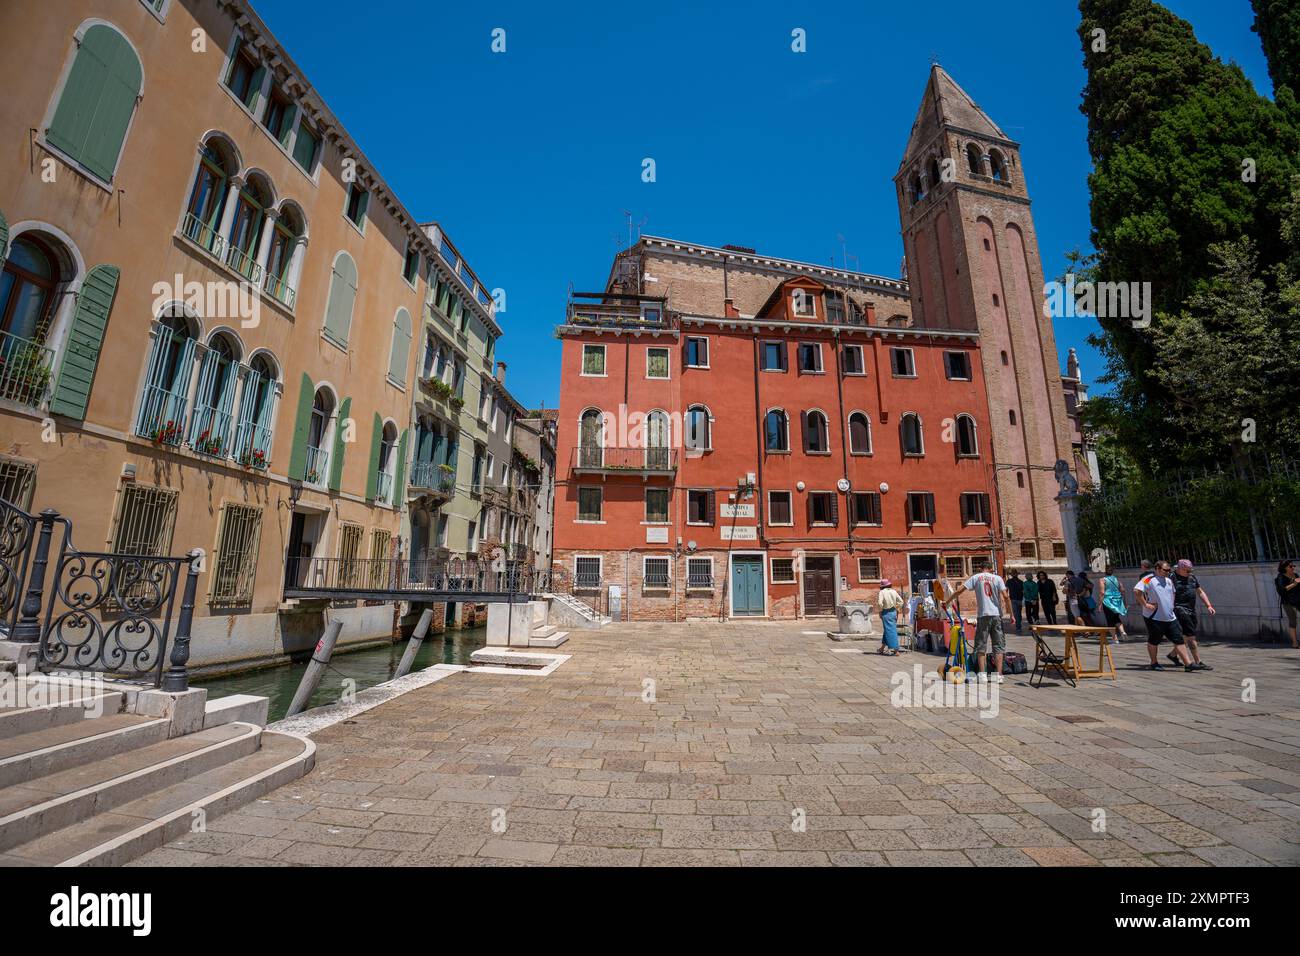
729,309
501,372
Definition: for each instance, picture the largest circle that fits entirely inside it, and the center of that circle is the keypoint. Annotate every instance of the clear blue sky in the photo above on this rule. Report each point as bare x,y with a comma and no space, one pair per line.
530,157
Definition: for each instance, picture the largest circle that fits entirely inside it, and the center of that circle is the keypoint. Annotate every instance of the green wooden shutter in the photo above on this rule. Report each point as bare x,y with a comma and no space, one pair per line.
400,353
399,478
81,357
343,294
4,239
301,429
336,456
97,101
372,474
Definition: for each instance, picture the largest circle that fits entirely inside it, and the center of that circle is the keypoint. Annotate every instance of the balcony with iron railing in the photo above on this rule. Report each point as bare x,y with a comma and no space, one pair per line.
317,462
210,431
432,478
203,235
252,445
162,416
243,263
614,309
594,460
279,289
24,369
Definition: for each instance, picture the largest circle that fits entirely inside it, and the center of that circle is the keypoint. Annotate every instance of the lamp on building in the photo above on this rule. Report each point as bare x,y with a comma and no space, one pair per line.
295,492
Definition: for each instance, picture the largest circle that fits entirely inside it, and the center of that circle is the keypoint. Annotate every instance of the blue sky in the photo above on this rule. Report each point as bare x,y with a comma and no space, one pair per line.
529,158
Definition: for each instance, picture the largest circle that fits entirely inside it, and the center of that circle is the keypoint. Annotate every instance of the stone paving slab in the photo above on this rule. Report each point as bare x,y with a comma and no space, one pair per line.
723,744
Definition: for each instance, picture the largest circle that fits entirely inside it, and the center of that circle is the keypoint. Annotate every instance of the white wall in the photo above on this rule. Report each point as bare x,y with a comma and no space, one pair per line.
1243,596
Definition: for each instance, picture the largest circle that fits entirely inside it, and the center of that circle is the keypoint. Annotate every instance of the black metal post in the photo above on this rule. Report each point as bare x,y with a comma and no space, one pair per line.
28,627
177,677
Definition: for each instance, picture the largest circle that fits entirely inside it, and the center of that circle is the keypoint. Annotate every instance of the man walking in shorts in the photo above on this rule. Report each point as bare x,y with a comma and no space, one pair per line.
1156,593
991,598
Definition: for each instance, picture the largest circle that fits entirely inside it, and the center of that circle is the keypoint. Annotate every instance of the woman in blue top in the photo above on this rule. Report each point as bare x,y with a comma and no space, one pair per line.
1112,603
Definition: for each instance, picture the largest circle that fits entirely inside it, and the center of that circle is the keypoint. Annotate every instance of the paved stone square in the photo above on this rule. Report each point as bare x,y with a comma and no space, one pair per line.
754,728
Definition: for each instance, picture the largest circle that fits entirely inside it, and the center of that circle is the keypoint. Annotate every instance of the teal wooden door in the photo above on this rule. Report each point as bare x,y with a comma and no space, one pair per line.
747,585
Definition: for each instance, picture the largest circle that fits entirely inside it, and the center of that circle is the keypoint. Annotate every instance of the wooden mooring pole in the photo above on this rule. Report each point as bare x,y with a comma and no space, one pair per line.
320,659
413,645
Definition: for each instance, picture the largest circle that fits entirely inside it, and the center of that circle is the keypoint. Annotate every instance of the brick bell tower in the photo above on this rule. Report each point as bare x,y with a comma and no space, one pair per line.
973,264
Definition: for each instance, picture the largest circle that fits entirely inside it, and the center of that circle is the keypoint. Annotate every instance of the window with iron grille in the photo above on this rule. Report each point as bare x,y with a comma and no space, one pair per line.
17,482
146,516
655,574
783,571
699,573
974,508
868,569
586,572
866,507
236,557
349,555
589,504
381,543
1058,549
1029,549
954,567
920,507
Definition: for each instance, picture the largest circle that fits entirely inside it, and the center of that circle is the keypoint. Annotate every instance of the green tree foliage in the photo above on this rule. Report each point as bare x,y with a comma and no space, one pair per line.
1170,130
1278,24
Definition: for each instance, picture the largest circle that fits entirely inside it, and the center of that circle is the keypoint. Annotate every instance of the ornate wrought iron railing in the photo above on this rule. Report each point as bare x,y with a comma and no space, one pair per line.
452,578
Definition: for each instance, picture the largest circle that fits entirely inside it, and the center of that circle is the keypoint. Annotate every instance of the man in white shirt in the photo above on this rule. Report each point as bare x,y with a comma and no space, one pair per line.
1155,592
991,599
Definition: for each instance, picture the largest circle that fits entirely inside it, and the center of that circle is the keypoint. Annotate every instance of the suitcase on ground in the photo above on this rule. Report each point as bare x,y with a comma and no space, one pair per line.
1013,662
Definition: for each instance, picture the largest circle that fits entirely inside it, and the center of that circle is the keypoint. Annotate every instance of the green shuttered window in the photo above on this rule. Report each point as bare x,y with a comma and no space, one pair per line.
400,351
342,298
97,101
86,337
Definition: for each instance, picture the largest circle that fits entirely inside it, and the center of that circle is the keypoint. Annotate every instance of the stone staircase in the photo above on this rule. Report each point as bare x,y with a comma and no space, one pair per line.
92,774
574,613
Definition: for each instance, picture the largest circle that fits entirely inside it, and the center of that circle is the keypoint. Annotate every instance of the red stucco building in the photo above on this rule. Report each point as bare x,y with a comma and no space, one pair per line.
747,436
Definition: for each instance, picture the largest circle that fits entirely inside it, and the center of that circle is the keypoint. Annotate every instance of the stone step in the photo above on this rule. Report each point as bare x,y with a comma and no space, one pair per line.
25,720
42,752
545,630
38,806
555,639
247,708
120,835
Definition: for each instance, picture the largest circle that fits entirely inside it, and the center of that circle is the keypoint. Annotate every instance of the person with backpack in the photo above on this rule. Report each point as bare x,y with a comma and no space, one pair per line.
1087,603
1047,596
1186,590
991,598
1287,584
1112,603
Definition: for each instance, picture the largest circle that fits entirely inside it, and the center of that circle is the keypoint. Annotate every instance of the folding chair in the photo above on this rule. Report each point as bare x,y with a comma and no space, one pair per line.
1047,660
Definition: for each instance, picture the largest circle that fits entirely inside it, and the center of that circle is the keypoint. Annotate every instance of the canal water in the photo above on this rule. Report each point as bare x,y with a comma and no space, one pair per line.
366,667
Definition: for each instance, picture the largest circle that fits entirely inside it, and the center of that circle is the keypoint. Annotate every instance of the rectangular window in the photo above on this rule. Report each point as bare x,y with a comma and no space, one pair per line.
779,509
697,352
902,362
834,308
655,574
920,508
810,357
17,482
471,537
381,543
868,569
783,571
358,200
491,464
279,111
974,508
954,567
823,509
349,575
656,363
956,365
866,507
656,505
236,557
699,574
1028,549
1058,549
476,479
804,303
145,519
774,357
593,360
853,364
306,148
586,572
589,502
244,77
411,268
699,506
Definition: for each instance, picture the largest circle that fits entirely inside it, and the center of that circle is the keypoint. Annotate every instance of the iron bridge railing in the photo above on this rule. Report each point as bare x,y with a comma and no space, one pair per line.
440,579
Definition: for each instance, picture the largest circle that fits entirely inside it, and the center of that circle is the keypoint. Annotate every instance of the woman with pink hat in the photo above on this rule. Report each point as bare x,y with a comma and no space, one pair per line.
889,601
1186,590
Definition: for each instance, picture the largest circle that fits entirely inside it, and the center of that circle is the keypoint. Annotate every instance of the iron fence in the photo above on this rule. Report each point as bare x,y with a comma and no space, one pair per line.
412,575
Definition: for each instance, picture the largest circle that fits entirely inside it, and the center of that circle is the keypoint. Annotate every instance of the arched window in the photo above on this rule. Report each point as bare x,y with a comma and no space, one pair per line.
915,192
256,404
342,298
657,440
859,434
400,351
319,434
776,430
698,431
816,433
998,167
27,286
387,462
165,402
208,197
591,439
214,400
912,437
286,236
97,101
935,176
245,236
967,444
974,161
